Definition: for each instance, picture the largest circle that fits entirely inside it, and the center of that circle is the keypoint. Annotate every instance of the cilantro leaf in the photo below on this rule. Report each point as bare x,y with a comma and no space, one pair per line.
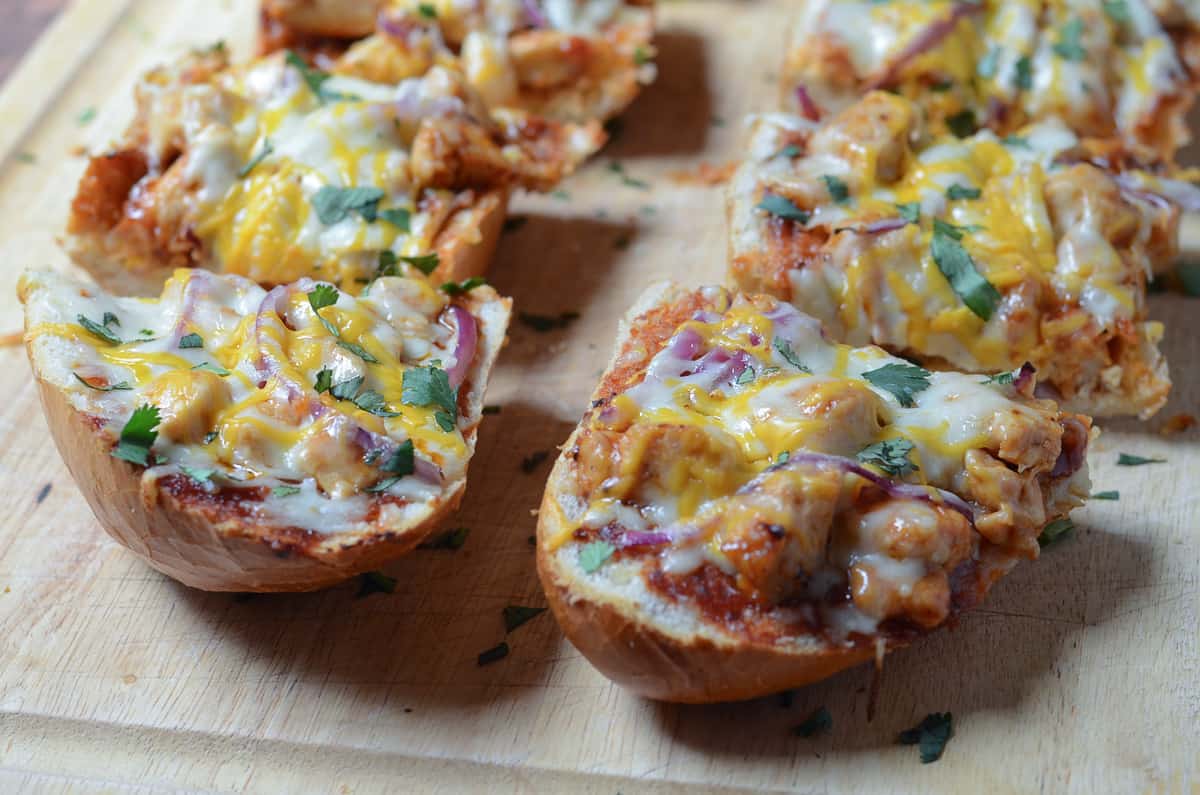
122,385
1117,10
904,381
358,351
1023,76
1107,495
451,539
593,555
515,616
1055,531
837,188
782,207
267,149
402,461
956,265
910,211
138,436
375,582
962,124
426,10
321,296
956,192
789,151
497,652
345,390
100,330
398,217
372,402
890,455
1004,379
1130,460
785,350
745,377
285,491
212,368
198,475
334,204
465,286
314,79
1069,46
387,264
1016,141
110,319
445,420
192,340
816,723
324,380
931,735
429,386
425,263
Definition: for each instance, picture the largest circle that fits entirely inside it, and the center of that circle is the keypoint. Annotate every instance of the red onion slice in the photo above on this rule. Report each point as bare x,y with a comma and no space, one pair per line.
466,340
808,108
925,41
533,12
1024,377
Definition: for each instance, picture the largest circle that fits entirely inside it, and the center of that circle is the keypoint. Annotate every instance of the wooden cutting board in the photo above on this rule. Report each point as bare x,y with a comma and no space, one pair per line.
1081,673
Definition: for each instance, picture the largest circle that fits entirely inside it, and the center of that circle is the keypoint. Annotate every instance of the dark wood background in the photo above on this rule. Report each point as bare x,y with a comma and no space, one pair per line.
21,22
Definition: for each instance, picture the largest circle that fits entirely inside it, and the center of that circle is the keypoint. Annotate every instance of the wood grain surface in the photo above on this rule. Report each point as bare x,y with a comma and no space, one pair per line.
1081,673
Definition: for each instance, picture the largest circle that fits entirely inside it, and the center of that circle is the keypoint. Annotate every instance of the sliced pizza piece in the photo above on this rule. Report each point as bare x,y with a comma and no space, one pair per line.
275,171
239,439
574,60
978,253
1106,68
749,507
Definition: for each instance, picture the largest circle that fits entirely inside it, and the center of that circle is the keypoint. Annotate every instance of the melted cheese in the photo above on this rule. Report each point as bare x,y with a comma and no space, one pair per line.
259,422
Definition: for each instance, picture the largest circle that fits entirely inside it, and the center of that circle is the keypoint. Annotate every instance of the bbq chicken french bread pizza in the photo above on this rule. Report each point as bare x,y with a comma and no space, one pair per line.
240,439
1108,68
275,171
570,60
977,253
749,507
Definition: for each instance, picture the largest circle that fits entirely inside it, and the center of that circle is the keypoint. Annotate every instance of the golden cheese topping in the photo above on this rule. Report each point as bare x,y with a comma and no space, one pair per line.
309,402
749,425
1104,67
980,251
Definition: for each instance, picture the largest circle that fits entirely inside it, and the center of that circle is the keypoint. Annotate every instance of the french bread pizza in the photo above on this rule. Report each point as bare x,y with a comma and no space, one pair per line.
275,170
244,439
1107,68
570,60
748,506
976,253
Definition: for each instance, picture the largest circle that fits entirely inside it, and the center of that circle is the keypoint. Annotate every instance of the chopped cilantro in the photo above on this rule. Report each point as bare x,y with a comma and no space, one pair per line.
890,455
837,188
956,265
212,368
387,264
593,555
285,491
122,385
425,263
1117,10
321,296
428,386
497,652
324,380
1023,74
1004,379
931,735
956,192
785,350
198,475
1069,46
397,217
372,402
910,211
262,155
110,319
618,169
790,151
427,10
86,116
816,723
345,390
192,340
904,381
1055,531
515,616
466,286
782,207
641,56
745,377
402,461
783,458
100,330
358,351
375,582
138,435
451,539
988,64
315,79
1107,495
962,124
1130,460
1016,141
334,204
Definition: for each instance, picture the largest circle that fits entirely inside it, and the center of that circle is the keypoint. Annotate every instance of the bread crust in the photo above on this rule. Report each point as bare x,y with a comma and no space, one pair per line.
229,553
